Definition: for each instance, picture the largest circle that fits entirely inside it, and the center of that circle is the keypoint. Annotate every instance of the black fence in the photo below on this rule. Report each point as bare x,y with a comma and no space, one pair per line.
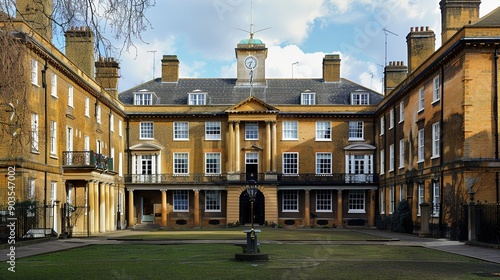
487,218
25,219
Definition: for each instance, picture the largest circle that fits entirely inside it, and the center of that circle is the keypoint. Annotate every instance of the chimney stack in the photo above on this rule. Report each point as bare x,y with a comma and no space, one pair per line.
107,74
395,73
169,69
455,14
421,44
36,14
80,48
331,68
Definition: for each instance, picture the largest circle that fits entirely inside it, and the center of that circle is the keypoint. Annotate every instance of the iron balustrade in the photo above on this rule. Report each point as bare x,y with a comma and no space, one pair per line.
87,159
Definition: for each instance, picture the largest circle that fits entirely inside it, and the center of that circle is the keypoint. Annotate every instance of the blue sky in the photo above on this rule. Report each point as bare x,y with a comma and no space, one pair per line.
204,33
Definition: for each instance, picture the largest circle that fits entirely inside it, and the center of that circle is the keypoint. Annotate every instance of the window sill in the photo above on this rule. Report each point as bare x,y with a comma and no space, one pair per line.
290,211
435,157
356,139
323,140
358,212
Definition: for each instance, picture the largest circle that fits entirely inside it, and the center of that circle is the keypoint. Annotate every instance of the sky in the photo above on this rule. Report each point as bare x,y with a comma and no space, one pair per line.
204,34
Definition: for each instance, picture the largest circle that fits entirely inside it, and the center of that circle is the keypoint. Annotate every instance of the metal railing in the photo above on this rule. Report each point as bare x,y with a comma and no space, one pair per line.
87,159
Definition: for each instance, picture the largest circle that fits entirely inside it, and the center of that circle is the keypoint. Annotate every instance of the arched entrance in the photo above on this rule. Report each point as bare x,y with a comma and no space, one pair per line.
258,209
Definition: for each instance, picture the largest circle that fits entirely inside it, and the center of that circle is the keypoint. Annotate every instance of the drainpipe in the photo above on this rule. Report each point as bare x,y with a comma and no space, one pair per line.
441,152
495,112
46,125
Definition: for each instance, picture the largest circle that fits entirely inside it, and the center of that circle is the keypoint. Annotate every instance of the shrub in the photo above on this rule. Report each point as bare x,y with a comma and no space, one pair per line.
401,218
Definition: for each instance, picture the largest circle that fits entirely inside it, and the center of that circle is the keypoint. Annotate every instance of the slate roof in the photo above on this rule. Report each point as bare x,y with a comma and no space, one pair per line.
491,19
222,91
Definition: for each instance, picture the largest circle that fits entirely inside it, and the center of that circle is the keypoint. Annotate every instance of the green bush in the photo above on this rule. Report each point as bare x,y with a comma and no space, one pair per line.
401,218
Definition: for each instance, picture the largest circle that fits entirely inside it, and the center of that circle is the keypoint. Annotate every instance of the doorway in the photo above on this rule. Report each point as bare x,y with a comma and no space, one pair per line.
258,209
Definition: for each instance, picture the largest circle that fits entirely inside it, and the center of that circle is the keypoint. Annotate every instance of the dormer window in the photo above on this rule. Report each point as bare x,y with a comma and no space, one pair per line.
143,98
360,98
308,98
197,98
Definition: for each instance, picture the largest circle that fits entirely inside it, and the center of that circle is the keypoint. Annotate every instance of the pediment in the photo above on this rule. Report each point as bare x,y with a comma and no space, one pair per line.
360,147
252,104
146,147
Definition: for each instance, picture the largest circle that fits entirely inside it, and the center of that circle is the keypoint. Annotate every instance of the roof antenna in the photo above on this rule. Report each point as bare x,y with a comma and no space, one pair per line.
251,32
386,32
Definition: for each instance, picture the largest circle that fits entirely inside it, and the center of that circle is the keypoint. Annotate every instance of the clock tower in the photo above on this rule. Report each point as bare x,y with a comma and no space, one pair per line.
251,57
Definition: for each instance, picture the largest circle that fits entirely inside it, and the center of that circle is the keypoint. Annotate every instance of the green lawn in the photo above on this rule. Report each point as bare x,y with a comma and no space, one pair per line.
215,261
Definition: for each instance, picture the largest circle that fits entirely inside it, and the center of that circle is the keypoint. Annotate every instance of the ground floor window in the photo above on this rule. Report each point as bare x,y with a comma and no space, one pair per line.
420,197
290,201
212,201
181,201
357,201
324,201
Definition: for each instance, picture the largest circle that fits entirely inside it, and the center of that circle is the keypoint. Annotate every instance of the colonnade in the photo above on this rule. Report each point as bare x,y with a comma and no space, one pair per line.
102,204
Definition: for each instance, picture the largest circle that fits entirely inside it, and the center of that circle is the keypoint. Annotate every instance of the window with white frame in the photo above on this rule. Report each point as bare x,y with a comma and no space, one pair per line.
401,153
34,133
382,125
112,122
120,164
356,201
181,131
70,96
146,130
401,111
391,158
34,72
181,200
120,128
360,98
197,98
212,131
146,165
356,130
290,130
323,131
382,161
290,201
421,103
421,147
87,106
308,98
53,85
290,163
401,192
324,201
391,200
391,119
31,189
360,168
53,138
251,131
382,201
421,197
212,163
435,140
98,113
53,191
436,94
436,201
323,163
143,98
212,201
181,163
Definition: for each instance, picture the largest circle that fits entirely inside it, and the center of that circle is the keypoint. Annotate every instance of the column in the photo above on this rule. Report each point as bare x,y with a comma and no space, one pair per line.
96,206
268,146
102,207
339,209
307,209
91,206
371,216
231,148
274,146
163,208
112,210
237,148
130,219
196,208
107,206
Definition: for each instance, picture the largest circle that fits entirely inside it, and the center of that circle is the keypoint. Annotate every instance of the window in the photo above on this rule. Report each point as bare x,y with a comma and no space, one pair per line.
181,164
181,131
120,163
181,200
435,199
391,157
308,98
382,201
212,201
212,131
212,163
290,163
98,113
323,131
401,192
53,138
382,162
391,200
146,165
290,201
251,131
401,111
197,99
436,94
382,125
146,130
143,98
356,201
31,189
290,131
421,142
323,201
70,97
120,129
53,191
87,106
401,153
34,72
34,132
323,163
421,193
360,98
421,99
435,140
391,118
359,168
53,85
112,122
356,130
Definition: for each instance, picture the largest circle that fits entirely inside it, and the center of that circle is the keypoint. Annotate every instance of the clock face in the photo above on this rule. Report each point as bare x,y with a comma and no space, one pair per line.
250,62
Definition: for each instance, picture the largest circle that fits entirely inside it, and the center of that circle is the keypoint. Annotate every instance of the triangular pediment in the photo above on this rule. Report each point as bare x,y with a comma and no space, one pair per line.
252,104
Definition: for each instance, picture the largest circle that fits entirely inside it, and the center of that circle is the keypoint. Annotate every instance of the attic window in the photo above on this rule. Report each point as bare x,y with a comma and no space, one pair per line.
308,98
143,98
360,98
197,98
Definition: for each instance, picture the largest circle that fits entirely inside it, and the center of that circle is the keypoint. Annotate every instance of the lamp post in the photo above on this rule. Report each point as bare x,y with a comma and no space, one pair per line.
252,193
